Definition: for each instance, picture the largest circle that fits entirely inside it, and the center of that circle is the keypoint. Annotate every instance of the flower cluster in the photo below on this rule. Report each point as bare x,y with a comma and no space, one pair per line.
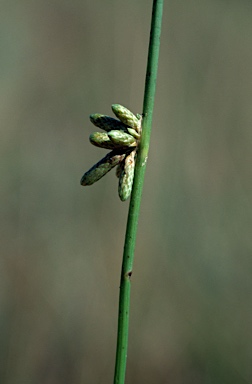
122,137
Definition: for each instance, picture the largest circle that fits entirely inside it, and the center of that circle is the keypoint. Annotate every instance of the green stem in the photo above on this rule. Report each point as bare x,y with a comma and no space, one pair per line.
134,207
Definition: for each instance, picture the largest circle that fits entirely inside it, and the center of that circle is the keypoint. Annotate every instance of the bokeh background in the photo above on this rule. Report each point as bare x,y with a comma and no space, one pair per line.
61,246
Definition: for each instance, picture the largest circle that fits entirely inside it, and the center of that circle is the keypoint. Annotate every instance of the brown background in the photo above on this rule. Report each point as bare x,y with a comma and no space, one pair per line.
191,314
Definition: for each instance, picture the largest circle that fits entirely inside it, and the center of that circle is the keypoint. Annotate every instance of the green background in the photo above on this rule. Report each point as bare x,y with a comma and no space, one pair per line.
61,247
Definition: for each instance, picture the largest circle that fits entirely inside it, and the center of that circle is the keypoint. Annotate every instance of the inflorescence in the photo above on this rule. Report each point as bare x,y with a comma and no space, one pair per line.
122,137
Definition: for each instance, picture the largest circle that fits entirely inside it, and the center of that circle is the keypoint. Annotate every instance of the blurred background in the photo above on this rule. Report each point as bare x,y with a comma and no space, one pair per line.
61,247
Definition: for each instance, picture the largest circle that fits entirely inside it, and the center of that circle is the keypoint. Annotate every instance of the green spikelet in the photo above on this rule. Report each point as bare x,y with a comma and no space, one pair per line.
126,177
122,139
102,167
134,133
106,122
100,139
127,117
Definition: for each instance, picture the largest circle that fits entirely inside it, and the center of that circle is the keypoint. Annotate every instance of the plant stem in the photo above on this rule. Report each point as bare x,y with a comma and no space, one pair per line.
134,207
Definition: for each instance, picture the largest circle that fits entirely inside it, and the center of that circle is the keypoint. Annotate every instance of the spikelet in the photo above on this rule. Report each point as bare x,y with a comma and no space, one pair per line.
126,117
134,133
100,139
126,176
106,123
101,168
122,139
118,140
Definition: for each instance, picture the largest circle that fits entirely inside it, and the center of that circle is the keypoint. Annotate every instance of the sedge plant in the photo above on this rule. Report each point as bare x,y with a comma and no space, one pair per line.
128,138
